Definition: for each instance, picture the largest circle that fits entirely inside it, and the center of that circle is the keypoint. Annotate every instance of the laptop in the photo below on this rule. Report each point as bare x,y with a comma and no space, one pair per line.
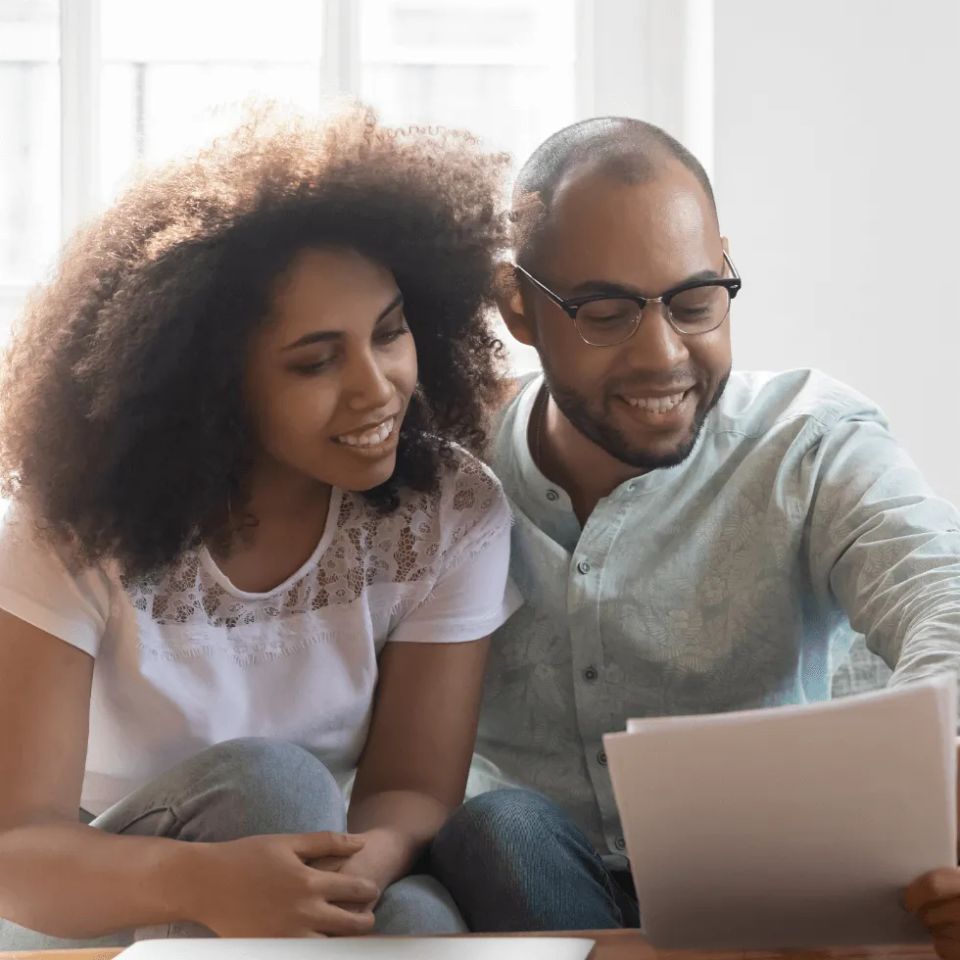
365,948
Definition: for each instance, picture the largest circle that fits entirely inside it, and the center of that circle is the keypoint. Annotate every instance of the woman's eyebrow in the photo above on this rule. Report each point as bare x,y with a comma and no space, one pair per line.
324,336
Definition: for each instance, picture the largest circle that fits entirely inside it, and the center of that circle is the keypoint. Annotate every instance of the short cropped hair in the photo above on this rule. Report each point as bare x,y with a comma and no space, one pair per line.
629,149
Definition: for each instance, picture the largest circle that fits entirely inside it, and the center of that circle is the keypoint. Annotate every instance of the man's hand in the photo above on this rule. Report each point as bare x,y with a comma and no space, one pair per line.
935,899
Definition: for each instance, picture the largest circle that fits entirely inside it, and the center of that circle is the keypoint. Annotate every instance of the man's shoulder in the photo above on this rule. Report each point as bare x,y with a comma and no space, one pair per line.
503,420
510,395
757,402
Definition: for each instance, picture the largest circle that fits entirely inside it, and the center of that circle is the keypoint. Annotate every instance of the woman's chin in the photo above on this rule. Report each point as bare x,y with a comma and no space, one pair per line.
367,476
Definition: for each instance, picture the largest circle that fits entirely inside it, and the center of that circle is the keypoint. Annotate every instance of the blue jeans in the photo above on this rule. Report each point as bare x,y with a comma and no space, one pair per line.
513,860
242,788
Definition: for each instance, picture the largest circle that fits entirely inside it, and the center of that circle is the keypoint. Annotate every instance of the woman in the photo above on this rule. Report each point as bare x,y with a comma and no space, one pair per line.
246,553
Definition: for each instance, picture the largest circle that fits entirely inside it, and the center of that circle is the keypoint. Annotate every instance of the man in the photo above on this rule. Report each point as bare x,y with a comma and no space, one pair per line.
687,539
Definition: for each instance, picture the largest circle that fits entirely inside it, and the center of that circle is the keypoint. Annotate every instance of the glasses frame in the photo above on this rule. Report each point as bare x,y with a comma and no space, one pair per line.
570,306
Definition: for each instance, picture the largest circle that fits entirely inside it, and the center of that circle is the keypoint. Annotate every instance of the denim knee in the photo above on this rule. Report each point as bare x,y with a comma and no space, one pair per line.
513,860
417,905
501,822
253,786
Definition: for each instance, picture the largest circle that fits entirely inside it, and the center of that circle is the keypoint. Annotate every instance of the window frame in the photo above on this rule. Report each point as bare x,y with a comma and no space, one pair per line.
662,48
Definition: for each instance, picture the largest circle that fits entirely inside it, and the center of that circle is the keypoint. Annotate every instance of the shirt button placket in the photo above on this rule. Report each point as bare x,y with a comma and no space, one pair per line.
584,597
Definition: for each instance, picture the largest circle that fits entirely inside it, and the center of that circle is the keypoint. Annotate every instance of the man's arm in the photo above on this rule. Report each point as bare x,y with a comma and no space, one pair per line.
886,548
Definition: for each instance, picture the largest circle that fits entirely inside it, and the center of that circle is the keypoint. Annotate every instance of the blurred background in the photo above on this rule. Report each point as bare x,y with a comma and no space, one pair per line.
831,129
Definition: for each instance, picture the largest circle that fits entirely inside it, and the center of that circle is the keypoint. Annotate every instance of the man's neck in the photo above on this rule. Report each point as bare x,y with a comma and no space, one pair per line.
572,461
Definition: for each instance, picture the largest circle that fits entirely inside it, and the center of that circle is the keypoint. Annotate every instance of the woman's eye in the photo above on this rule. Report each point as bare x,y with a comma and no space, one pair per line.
318,366
393,333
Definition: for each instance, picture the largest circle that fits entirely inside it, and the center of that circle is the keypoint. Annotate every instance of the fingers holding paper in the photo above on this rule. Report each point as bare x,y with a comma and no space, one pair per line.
935,899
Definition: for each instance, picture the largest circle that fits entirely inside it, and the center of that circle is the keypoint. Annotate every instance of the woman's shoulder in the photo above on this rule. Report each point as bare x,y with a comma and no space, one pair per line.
466,506
23,537
467,494
46,584
469,484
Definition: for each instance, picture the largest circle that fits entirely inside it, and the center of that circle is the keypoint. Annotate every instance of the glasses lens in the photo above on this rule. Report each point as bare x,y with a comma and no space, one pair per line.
700,309
605,322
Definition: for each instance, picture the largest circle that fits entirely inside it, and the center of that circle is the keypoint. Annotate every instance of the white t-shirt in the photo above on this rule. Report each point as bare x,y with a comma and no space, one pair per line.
186,660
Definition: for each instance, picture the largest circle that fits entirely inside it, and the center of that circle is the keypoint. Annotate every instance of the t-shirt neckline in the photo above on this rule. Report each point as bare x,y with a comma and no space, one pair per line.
329,528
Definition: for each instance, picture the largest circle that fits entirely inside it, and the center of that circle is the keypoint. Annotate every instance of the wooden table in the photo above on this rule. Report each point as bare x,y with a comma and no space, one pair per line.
611,945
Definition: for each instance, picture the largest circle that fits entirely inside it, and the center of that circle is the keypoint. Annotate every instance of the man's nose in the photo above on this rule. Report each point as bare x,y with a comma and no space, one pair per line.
656,344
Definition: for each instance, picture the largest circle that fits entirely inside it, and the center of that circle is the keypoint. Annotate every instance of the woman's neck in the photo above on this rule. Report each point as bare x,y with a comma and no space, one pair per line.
279,495
282,521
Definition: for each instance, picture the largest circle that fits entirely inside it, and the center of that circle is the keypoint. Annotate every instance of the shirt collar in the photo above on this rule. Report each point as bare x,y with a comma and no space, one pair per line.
535,486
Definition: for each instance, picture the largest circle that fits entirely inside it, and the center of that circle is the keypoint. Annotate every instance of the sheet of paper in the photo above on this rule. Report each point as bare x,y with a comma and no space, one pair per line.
366,948
789,827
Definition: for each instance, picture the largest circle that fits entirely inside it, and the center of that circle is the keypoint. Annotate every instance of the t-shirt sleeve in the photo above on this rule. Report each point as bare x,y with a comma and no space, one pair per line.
37,586
473,594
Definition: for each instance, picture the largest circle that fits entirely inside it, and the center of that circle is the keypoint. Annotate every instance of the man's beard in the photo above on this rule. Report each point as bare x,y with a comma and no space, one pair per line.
601,432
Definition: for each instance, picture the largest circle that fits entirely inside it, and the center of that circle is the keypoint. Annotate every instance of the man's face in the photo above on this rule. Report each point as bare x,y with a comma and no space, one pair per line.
642,401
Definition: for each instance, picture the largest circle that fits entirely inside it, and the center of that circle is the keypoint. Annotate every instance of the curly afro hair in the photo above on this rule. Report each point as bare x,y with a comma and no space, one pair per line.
123,420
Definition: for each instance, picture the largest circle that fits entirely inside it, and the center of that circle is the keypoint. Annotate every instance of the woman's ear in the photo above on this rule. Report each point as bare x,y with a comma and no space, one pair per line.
510,303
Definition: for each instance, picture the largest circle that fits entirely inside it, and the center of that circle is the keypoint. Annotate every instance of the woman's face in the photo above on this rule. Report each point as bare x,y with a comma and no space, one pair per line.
330,375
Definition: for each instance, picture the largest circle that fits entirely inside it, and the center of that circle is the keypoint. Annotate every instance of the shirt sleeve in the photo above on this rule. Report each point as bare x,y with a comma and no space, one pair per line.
37,586
886,548
473,595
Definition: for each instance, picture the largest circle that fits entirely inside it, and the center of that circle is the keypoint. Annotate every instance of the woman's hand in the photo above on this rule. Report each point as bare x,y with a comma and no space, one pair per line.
264,887
377,862
935,899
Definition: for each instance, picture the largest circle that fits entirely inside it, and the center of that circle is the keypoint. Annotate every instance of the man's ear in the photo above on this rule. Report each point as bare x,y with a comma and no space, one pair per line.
510,303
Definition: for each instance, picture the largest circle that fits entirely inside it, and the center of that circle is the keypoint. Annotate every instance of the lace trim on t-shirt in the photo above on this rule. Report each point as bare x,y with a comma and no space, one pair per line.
427,534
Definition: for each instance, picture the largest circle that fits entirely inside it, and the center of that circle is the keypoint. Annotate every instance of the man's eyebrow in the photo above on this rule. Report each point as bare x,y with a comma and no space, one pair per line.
588,287
325,336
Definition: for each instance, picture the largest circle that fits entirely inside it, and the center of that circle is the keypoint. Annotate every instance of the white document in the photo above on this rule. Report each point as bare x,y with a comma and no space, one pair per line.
792,826
365,948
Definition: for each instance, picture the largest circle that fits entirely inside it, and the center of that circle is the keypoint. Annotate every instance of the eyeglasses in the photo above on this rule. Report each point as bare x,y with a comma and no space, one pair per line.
691,308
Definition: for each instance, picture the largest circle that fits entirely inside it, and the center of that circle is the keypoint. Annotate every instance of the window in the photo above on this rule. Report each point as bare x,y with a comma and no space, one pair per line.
29,139
502,69
90,89
176,72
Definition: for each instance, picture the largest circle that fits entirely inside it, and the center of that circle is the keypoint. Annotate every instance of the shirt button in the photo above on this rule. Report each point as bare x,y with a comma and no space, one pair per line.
620,843
602,758
583,566
553,495
590,674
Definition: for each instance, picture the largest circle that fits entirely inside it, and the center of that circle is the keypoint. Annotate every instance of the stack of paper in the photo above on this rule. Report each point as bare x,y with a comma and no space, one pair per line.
789,827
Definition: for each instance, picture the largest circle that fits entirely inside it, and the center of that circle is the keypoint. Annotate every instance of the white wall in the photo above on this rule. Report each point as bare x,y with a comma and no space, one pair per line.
837,169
